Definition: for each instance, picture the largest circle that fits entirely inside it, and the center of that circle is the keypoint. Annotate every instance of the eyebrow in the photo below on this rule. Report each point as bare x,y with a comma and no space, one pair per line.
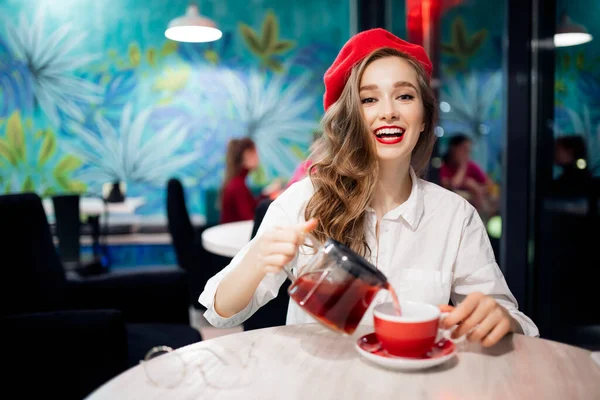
396,85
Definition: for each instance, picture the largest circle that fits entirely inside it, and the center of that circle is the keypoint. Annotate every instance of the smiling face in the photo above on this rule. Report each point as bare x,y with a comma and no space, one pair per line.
392,107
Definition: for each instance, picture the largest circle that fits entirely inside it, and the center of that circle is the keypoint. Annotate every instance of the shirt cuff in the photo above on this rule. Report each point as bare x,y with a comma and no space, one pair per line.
207,299
218,321
527,325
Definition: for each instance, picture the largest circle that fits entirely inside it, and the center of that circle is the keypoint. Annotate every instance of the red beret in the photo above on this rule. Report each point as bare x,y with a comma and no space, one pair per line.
358,47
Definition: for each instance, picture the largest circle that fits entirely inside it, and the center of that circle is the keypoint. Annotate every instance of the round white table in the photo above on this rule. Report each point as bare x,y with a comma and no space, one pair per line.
310,362
96,206
227,239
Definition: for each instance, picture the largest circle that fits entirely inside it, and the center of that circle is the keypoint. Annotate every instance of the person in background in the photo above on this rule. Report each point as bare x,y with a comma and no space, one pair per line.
301,170
460,174
237,201
570,154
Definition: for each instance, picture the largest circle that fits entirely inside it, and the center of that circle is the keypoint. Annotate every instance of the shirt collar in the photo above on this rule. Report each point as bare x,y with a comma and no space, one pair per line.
412,209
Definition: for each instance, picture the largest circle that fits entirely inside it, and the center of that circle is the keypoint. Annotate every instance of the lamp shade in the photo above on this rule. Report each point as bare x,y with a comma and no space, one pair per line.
570,34
193,27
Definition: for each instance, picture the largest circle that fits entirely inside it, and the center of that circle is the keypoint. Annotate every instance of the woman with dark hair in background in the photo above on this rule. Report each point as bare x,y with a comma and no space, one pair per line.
237,201
459,173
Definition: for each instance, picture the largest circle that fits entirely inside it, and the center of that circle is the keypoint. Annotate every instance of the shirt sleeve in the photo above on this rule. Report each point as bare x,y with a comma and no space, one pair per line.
267,289
476,270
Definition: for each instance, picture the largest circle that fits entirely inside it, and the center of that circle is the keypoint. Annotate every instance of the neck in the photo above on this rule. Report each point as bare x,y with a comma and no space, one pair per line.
393,186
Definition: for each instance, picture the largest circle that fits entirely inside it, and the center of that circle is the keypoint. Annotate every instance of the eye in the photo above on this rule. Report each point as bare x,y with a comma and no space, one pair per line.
406,97
368,100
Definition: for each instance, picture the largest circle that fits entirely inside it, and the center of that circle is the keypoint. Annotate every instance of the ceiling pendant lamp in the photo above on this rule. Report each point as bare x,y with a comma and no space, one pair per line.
569,33
193,27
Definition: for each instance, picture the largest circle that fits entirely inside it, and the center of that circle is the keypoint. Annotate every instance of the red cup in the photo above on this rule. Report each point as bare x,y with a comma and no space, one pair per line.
413,333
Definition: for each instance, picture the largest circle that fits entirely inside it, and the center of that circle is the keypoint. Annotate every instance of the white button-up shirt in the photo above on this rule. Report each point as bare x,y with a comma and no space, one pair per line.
432,248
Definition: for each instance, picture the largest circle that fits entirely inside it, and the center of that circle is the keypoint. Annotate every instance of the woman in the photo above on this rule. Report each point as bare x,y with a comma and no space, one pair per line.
237,201
364,190
459,173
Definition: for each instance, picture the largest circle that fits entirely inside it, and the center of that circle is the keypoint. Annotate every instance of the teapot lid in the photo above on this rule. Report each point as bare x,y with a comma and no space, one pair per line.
356,265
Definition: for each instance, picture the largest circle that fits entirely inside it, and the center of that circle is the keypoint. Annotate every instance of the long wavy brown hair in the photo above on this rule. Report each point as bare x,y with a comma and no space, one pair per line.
345,168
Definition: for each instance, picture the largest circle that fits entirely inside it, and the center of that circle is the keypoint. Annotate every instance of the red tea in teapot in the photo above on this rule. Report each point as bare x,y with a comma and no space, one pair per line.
338,305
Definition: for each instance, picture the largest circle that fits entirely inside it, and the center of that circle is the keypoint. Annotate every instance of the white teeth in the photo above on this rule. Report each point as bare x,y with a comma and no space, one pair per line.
390,131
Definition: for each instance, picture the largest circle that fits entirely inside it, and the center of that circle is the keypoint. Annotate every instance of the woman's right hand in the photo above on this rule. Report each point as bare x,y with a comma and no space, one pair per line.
278,246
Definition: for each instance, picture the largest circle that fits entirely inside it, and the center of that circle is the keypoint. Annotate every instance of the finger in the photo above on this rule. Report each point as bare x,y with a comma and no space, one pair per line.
499,331
463,310
280,234
286,236
272,270
486,326
310,225
285,248
483,309
446,308
270,234
275,260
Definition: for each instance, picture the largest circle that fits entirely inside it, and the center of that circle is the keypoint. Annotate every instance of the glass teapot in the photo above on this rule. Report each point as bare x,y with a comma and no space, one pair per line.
336,286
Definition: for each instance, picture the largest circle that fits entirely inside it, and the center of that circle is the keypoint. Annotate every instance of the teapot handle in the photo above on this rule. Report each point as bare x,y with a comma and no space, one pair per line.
289,274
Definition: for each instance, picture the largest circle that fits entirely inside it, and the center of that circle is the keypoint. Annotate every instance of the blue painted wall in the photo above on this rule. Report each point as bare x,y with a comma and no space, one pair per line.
91,93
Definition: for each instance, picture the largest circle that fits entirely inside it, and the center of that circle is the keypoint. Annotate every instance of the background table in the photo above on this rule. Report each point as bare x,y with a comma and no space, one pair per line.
227,239
310,362
95,206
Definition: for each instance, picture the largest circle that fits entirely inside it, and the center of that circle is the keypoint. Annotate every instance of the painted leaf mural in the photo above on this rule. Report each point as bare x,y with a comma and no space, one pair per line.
273,111
16,90
50,60
128,153
463,45
32,162
91,94
267,46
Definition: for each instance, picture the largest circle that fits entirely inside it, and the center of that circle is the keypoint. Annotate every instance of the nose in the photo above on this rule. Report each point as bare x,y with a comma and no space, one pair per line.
388,111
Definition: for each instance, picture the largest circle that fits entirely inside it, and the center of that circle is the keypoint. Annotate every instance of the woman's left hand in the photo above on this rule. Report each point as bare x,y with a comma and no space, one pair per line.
482,318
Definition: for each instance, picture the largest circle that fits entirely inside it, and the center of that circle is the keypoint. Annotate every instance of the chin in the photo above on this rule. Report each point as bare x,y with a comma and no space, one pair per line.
389,153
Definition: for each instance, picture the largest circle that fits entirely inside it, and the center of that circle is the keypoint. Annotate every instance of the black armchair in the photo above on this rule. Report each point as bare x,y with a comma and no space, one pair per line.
46,316
39,282
66,353
199,264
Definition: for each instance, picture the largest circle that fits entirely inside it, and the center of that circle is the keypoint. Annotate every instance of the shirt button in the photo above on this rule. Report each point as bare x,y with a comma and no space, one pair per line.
387,229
